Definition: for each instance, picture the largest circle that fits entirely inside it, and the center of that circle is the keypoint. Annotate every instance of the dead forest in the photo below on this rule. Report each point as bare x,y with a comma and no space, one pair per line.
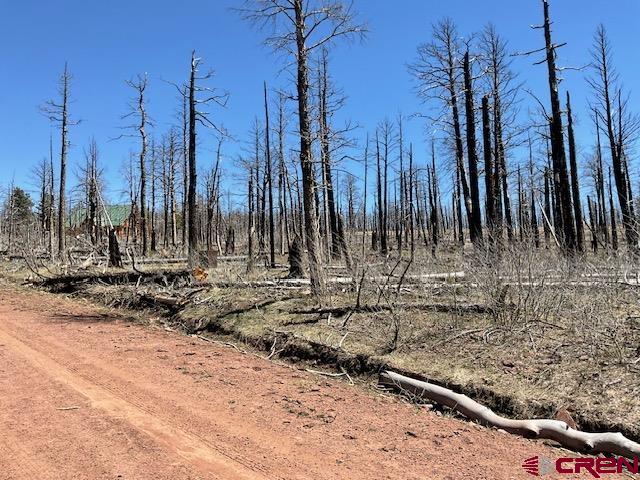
501,263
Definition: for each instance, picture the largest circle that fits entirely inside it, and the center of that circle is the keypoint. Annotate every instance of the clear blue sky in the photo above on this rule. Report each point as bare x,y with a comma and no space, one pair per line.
107,42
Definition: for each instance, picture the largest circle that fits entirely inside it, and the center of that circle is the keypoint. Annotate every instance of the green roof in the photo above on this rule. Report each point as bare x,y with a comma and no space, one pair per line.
117,213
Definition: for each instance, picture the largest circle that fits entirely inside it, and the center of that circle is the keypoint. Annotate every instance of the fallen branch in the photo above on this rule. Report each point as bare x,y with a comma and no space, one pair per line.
608,443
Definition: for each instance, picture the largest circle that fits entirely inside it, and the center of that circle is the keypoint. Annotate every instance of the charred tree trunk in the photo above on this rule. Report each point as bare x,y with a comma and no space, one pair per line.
185,169
575,183
332,228
382,241
115,259
272,233
488,169
433,204
250,201
601,195
296,269
475,220
192,229
547,207
308,180
593,223
614,226
557,143
411,207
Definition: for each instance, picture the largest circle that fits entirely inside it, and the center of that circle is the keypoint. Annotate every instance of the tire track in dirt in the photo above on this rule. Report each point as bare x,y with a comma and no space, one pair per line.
182,443
121,384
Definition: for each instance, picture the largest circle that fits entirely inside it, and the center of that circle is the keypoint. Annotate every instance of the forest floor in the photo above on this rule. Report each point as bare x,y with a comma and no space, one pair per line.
88,393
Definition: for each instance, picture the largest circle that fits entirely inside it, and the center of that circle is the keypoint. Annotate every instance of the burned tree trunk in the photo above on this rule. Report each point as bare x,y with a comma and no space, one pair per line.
603,85
250,219
557,142
306,164
140,86
381,241
325,152
488,169
614,226
267,134
475,220
575,183
58,113
547,206
192,231
115,259
296,269
593,224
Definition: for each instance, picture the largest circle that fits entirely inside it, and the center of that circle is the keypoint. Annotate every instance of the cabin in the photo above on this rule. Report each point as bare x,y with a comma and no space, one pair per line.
118,214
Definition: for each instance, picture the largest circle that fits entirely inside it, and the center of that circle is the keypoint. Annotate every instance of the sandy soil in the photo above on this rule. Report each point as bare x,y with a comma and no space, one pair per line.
85,394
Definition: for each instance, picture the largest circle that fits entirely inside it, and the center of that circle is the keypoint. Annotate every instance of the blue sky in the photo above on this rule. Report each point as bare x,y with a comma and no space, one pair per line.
106,43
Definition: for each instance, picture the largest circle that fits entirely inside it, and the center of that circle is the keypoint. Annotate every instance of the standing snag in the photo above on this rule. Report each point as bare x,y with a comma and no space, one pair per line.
58,113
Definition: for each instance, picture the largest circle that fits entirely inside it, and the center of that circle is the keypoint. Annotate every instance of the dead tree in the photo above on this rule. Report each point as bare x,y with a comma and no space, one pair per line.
91,183
475,221
599,181
434,195
267,134
547,206
565,219
501,81
185,163
401,226
283,217
618,126
575,183
250,220
382,151
380,208
614,224
593,225
44,176
213,201
364,202
139,113
197,95
489,184
331,226
299,29
58,113
411,205
172,151
154,177
532,200
437,69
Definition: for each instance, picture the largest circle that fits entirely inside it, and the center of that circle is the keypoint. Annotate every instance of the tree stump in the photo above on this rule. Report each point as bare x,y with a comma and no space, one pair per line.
115,259
295,259
230,242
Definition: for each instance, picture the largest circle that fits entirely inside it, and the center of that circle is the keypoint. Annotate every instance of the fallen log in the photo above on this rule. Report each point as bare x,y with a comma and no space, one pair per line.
67,283
608,443
428,307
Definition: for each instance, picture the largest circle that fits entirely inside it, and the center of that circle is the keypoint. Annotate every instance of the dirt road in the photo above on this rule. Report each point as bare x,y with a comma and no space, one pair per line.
87,395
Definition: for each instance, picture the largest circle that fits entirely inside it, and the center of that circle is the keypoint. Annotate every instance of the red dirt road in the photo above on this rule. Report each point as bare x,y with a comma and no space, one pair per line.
86,395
